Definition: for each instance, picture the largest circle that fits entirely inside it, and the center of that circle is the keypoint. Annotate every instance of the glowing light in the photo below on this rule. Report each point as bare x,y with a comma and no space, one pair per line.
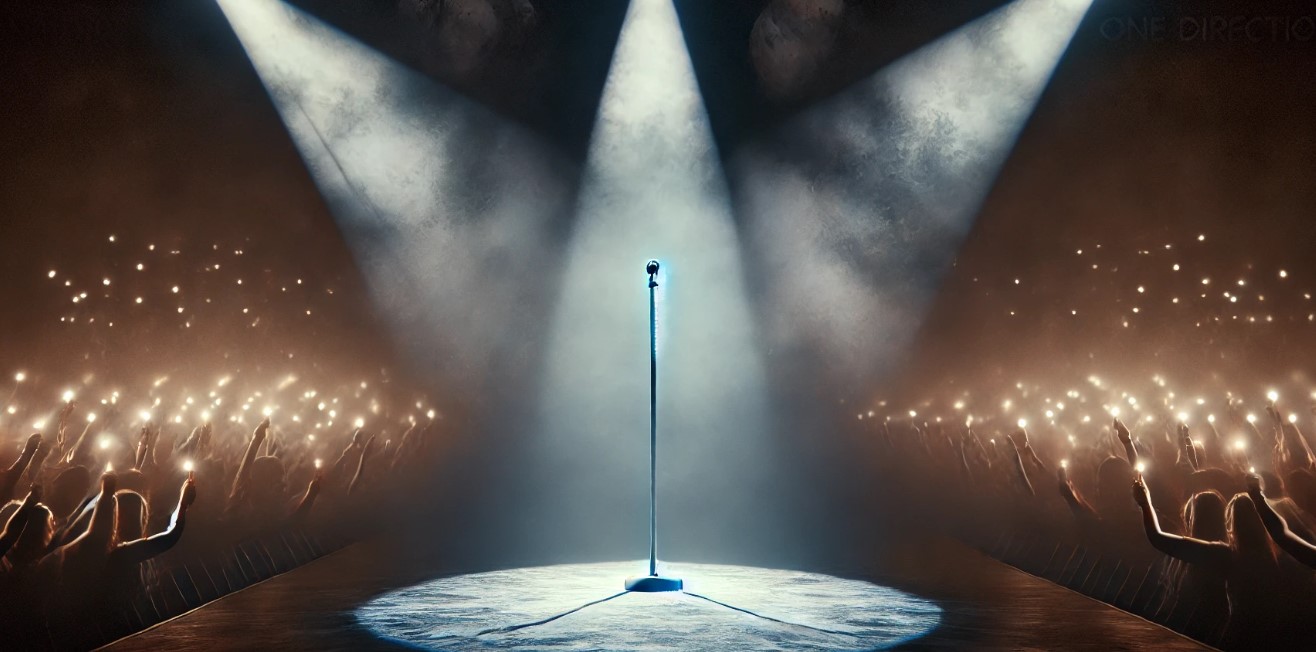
1023,423
360,422
1293,418
1115,411
318,463
91,417
267,411
105,443
1251,418
1210,418
174,289
20,377
1272,395
1141,467
205,415
1240,444
1064,464
188,466
145,415
39,424
1251,469
430,414
1183,417
1283,274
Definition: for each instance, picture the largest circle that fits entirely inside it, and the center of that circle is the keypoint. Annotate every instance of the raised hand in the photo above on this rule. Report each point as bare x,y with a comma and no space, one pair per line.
1122,432
1140,494
33,497
1254,488
109,482
203,442
33,441
62,422
188,494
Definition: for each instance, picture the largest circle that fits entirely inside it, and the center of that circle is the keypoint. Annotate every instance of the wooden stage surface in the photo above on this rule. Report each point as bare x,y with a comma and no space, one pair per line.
986,605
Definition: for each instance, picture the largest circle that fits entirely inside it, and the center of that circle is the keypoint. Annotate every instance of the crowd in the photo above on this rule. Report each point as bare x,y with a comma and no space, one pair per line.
94,518
1226,511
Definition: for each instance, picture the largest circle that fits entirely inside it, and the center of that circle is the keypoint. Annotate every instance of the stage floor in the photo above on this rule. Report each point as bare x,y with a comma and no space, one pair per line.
985,605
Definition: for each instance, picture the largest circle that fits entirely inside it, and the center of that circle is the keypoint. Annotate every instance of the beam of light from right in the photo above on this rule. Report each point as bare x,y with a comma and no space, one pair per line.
652,188
863,200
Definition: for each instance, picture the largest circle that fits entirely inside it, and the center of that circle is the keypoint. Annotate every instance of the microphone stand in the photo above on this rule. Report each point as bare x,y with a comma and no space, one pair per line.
653,583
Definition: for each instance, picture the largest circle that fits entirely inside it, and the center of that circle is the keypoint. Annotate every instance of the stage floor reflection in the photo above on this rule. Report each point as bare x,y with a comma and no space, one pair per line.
343,602
581,607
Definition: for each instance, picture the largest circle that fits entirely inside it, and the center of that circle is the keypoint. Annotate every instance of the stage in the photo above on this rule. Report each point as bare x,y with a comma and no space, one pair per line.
981,603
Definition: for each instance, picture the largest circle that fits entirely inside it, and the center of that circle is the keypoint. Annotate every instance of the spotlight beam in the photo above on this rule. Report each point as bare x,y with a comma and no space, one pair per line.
857,205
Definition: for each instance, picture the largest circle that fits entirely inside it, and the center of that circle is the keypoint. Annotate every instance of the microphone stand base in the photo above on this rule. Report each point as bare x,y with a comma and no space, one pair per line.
654,584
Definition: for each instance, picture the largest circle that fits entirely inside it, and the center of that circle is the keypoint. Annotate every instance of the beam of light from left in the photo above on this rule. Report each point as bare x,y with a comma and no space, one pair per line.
652,188
445,205
864,199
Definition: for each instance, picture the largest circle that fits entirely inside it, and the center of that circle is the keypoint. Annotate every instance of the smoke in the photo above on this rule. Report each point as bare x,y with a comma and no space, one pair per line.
855,209
449,209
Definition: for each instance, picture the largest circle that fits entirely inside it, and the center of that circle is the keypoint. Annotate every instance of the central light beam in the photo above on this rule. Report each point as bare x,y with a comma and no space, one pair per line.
652,188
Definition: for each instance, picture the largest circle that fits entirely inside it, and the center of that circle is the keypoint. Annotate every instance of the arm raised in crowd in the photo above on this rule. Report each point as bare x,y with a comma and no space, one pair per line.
18,520
1126,440
1215,554
303,510
1020,473
80,453
1079,507
244,467
96,539
361,465
353,448
9,478
1279,530
140,550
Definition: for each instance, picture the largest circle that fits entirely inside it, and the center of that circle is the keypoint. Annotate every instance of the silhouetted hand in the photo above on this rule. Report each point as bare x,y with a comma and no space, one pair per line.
1140,494
1123,432
262,429
188,495
33,497
1254,488
109,482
